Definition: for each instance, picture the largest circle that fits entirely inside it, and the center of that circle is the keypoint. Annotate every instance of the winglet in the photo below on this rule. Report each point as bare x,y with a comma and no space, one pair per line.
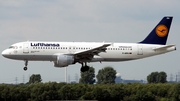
160,33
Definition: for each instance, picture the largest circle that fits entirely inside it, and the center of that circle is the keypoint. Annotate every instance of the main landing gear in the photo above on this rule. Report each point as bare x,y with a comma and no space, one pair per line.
26,63
84,68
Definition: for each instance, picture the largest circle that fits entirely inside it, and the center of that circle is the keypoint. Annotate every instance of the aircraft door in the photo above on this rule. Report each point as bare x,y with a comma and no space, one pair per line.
15,49
140,50
26,47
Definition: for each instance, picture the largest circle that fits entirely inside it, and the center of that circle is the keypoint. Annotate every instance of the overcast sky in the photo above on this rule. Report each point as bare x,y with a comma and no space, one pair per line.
86,20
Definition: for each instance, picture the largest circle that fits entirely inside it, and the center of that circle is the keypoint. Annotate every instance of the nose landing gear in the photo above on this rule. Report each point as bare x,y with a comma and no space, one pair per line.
26,63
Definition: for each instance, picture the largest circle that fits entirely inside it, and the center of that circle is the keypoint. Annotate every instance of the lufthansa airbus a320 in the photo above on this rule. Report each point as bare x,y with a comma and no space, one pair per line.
68,53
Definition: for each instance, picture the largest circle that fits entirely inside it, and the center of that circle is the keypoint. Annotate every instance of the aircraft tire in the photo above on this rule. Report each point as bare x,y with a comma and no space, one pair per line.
86,68
82,69
25,68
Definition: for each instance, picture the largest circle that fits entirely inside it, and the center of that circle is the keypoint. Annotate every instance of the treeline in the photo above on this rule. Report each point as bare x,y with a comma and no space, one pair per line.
101,92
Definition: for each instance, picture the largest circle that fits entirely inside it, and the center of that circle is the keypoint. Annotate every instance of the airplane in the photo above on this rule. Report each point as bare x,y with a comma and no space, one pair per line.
63,54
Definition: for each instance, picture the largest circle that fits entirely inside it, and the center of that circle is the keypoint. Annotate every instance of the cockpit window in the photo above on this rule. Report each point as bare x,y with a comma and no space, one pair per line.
11,47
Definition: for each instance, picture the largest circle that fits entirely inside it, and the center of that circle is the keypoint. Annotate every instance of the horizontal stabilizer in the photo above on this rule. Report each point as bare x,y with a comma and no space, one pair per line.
164,47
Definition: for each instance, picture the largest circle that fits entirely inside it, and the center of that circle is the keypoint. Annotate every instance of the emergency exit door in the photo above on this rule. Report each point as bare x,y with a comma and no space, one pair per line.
140,50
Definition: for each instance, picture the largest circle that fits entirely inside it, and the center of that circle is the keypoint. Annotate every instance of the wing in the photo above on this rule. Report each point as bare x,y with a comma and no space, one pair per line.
88,54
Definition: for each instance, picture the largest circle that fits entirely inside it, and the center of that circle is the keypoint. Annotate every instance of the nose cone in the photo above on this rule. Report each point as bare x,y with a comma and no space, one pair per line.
8,54
4,53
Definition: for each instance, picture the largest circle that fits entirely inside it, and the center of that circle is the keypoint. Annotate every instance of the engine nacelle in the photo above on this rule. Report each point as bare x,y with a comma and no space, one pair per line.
63,60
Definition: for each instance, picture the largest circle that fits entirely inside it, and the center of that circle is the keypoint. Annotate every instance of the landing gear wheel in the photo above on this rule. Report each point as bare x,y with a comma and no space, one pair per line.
84,68
25,68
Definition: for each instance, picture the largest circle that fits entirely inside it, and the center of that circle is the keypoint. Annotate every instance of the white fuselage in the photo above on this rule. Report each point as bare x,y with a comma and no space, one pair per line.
68,53
48,51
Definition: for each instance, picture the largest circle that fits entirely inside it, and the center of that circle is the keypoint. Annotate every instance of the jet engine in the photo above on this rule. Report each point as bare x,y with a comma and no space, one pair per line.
63,60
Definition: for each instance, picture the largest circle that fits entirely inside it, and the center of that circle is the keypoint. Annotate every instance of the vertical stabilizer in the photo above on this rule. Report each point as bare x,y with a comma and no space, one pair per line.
160,33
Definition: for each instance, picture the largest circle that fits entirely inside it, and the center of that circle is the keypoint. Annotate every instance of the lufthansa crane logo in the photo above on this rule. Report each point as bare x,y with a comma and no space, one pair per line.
161,30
